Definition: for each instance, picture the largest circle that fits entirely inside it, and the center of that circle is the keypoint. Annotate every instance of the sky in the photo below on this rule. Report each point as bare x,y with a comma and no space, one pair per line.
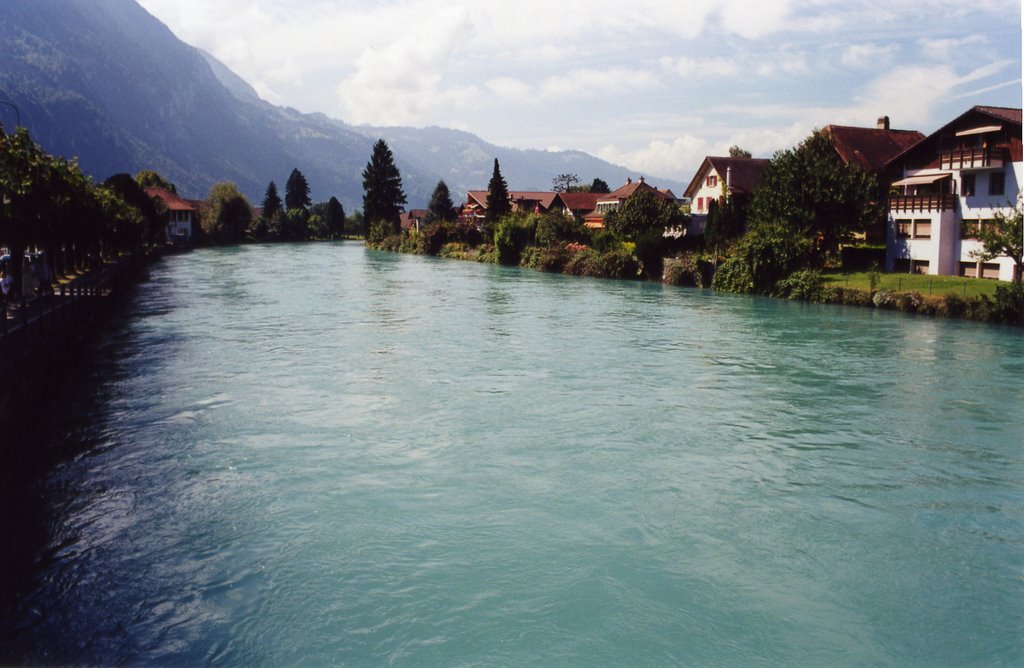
653,85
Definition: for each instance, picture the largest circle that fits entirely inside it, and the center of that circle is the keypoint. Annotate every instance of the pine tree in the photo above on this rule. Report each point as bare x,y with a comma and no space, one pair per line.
441,206
296,193
271,201
335,219
383,198
498,205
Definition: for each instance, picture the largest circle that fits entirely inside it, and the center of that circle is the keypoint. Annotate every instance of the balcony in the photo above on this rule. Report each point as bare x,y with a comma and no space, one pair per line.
974,158
923,203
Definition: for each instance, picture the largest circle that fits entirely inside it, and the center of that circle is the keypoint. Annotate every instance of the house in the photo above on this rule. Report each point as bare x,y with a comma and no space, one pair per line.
717,176
952,183
577,205
475,208
181,215
605,204
413,219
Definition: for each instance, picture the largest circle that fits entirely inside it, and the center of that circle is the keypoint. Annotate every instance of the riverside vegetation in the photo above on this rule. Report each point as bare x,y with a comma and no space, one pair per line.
787,241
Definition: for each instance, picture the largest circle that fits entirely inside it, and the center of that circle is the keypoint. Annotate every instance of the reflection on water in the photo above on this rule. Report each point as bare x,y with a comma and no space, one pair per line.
318,454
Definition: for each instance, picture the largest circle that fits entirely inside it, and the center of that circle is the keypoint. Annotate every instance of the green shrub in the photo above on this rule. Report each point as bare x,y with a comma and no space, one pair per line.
511,235
807,285
1008,305
690,269
650,250
733,275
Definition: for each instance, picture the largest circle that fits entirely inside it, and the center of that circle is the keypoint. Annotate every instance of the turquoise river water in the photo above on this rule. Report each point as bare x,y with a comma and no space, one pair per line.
318,454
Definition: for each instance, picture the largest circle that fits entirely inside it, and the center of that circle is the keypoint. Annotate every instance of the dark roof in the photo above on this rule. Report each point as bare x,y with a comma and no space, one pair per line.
871,148
580,201
744,173
630,189
970,117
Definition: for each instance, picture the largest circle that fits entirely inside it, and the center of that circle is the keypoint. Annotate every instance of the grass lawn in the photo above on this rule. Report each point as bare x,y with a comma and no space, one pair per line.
926,285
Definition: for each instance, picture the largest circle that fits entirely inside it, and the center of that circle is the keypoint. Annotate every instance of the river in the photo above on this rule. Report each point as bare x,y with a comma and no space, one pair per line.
318,454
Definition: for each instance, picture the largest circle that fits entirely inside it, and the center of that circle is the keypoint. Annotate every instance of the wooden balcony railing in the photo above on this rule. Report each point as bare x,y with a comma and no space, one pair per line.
922,203
974,158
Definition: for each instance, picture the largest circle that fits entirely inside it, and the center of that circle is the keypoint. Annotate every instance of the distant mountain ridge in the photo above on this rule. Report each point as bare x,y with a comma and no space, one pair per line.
106,82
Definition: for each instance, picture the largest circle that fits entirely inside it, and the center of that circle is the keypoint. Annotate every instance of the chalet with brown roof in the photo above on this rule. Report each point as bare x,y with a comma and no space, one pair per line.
475,208
953,183
181,215
413,219
717,176
605,204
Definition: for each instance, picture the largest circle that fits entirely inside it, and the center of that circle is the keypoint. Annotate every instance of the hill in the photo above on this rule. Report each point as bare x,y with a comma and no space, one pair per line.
108,83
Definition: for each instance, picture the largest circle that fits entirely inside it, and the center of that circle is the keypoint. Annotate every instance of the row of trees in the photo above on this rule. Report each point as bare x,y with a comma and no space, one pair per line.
48,203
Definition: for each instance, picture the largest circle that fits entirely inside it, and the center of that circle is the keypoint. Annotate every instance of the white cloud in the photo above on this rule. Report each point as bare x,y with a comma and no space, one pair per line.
588,83
865,56
703,67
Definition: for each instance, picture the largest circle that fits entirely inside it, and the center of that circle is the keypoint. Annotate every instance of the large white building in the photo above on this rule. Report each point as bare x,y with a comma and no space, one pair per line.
953,182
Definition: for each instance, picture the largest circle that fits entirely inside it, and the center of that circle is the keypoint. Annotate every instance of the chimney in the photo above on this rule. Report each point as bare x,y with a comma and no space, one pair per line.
883,123
629,180
728,178
641,179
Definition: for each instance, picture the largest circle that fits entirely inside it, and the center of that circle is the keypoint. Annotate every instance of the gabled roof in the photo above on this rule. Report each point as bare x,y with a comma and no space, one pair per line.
971,117
871,148
580,201
544,198
630,188
171,200
744,173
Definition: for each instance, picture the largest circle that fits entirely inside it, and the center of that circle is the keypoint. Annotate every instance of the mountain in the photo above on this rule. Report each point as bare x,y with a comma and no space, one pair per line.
106,82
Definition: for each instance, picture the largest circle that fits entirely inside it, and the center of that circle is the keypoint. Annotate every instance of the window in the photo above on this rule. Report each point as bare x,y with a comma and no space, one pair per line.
967,185
969,269
711,181
919,266
969,229
990,270
903,228
996,183
923,229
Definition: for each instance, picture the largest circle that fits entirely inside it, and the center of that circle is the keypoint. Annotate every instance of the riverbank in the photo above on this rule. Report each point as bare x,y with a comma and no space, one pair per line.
44,339
621,261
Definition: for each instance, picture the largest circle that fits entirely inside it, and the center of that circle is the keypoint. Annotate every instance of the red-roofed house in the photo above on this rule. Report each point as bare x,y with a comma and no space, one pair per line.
181,215
475,208
605,204
413,219
953,182
715,177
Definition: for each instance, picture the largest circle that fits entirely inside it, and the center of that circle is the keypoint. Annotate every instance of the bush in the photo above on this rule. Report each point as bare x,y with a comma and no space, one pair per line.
512,234
650,250
806,285
552,229
1008,305
612,264
733,275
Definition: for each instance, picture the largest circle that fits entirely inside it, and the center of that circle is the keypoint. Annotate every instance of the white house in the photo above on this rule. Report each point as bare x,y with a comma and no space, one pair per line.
181,215
715,175
954,181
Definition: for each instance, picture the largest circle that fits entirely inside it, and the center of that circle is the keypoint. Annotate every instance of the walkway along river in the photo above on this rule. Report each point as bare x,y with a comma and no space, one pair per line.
313,454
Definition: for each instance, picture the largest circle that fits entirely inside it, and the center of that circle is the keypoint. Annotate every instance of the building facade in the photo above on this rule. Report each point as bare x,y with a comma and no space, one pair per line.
953,183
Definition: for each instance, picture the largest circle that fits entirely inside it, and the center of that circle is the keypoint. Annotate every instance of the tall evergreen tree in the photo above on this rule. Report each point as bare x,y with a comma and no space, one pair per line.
599,186
271,201
334,218
296,193
498,205
441,206
383,198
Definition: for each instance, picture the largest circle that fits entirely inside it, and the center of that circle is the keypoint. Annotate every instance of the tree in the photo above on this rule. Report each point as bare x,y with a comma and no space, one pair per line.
642,213
812,193
599,186
383,198
129,190
296,191
737,152
498,205
564,183
334,219
147,178
271,201
1004,235
441,208
227,215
